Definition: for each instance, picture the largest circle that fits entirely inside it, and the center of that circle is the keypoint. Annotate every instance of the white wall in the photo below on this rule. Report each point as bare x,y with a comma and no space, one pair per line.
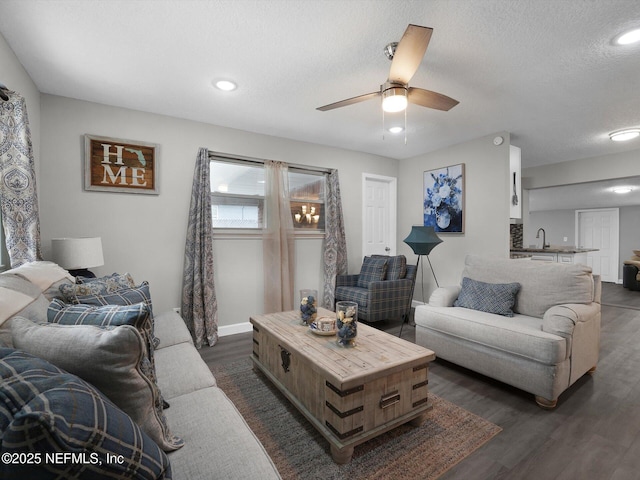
617,165
486,208
145,234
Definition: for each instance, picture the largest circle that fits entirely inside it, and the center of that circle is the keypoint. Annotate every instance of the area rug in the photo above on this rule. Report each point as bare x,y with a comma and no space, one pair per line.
448,435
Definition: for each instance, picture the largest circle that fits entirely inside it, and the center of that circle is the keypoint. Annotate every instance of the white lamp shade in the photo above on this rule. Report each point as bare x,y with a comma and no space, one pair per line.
77,253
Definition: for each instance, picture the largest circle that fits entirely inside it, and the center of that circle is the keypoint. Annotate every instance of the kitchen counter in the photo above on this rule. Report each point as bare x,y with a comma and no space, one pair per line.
554,254
553,250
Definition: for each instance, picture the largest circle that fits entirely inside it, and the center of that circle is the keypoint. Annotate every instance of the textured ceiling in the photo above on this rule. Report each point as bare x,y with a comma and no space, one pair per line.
544,70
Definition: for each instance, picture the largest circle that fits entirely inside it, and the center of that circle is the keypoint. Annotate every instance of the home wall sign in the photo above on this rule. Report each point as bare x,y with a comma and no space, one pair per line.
124,166
443,201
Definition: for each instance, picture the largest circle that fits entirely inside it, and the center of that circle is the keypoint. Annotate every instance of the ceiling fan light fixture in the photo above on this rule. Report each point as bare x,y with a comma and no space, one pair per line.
394,99
624,135
627,38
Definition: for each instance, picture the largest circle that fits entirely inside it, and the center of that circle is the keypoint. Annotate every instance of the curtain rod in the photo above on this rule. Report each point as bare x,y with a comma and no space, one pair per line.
3,95
259,161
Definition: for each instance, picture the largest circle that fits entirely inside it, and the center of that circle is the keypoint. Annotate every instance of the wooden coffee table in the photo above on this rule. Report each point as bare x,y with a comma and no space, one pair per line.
350,395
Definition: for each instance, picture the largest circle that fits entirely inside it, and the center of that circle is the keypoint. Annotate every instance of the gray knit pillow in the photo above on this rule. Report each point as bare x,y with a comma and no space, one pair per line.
498,298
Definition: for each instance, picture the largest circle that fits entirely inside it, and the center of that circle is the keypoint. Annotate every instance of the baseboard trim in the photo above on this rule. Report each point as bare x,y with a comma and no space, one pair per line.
226,330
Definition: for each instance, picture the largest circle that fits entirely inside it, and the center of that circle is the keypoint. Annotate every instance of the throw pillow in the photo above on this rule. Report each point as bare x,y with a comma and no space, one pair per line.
496,298
59,312
113,359
125,296
373,269
396,266
45,410
96,286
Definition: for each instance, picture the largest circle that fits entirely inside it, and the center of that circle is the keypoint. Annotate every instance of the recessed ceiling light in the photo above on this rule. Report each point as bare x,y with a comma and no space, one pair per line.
629,37
624,135
226,85
622,189
396,129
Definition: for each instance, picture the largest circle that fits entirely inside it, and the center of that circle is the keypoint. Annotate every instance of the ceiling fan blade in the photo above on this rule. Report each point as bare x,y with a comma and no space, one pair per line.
409,53
429,99
349,101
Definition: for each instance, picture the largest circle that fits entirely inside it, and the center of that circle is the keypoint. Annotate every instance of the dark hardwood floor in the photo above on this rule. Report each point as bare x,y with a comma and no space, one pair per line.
594,432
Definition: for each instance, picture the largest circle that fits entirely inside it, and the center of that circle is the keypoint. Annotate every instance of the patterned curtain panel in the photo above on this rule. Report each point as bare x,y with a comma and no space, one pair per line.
18,195
278,240
335,241
199,304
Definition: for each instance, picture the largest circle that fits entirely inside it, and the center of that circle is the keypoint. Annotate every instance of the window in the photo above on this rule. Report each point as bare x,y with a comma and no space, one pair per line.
237,194
306,197
238,189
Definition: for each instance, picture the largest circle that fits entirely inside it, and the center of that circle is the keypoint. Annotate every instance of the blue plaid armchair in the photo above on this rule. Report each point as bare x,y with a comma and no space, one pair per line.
382,289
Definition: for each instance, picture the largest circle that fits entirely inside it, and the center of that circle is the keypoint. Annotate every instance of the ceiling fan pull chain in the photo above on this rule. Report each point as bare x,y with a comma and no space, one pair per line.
405,126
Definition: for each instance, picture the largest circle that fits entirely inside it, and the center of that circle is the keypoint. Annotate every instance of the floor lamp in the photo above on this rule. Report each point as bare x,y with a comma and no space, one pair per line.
421,240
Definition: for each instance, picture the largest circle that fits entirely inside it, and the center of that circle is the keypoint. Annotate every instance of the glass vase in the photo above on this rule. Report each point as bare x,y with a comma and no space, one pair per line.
347,323
308,306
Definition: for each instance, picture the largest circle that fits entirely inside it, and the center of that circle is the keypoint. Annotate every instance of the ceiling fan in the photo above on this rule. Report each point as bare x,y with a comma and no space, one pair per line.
405,57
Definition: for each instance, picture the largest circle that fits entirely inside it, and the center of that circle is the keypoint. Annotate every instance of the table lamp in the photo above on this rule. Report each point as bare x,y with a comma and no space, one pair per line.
77,255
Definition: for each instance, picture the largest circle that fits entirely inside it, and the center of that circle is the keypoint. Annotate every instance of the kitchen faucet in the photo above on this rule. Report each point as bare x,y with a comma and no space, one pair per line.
544,237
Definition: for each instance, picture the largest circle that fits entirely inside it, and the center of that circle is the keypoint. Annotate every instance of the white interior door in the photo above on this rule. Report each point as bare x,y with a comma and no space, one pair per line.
378,215
599,229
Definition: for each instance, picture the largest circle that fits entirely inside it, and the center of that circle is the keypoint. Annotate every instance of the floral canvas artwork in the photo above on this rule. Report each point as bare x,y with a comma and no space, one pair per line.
443,206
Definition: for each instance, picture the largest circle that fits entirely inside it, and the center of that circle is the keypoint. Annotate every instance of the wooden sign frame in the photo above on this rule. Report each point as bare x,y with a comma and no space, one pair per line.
120,166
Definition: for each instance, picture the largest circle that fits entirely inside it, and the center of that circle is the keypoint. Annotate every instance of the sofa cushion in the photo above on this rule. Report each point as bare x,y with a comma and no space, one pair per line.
181,370
170,329
106,315
111,358
521,335
97,286
44,409
543,284
396,266
209,418
353,294
373,269
19,297
497,298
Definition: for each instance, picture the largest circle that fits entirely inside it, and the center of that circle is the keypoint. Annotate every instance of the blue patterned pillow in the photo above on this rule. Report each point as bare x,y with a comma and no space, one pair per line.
125,296
373,269
498,298
107,315
44,410
96,286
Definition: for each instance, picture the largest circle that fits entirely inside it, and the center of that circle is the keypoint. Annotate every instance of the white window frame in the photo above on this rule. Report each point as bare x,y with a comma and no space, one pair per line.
222,232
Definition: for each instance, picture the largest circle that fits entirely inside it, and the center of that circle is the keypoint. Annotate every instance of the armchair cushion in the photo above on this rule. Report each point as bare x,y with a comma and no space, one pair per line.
396,266
496,298
373,269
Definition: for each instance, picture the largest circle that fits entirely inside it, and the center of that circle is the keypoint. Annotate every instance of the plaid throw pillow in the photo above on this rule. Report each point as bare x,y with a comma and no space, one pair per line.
44,409
373,269
498,298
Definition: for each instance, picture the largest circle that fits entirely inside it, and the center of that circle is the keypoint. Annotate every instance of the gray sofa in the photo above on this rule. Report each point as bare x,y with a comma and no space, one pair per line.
218,443
551,340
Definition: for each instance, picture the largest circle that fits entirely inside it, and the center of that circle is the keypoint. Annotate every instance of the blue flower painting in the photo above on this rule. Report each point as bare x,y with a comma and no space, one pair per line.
443,206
